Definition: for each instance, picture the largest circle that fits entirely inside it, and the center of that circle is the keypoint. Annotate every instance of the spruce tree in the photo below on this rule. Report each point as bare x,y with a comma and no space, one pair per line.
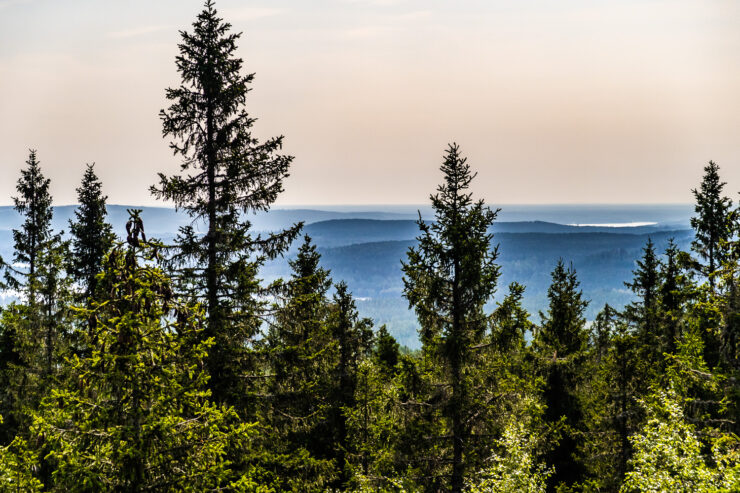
602,330
54,293
713,223
561,341
608,400
134,415
672,297
32,332
448,278
387,350
34,204
643,313
92,236
301,354
225,174
354,339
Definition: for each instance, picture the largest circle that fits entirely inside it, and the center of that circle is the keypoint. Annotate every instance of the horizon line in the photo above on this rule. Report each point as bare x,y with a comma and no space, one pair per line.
392,204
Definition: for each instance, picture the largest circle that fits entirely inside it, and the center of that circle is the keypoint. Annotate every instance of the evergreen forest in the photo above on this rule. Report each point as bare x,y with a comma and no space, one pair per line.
134,364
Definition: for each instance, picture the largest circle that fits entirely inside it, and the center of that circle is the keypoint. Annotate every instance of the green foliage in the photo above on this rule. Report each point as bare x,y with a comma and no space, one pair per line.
515,468
669,454
33,334
643,312
135,414
17,462
301,354
354,339
608,400
387,350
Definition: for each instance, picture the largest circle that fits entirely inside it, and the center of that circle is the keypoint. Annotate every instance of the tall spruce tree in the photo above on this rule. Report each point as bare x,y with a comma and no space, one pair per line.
448,278
561,341
92,236
225,174
32,331
354,339
713,223
34,204
301,355
608,400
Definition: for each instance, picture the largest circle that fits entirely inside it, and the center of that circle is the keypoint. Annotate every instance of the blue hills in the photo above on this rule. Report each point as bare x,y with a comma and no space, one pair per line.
365,248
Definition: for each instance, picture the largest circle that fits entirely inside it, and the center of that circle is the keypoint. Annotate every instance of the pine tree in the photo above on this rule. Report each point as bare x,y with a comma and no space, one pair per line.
225,173
713,223
92,236
134,415
561,342
448,278
34,204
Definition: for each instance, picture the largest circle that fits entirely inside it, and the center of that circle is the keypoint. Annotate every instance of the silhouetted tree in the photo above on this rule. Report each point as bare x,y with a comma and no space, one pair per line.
561,341
387,352
354,339
643,312
672,297
34,204
92,235
713,222
226,173
448,278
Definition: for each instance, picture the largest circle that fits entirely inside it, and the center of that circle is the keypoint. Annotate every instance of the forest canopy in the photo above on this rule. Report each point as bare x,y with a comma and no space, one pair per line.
133,364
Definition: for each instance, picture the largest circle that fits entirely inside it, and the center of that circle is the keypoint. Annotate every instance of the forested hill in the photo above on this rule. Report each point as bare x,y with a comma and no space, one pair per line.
398,221
372,269
365,248
339,232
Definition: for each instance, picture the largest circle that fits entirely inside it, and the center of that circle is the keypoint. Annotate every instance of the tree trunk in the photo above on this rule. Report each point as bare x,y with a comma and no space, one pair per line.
457,387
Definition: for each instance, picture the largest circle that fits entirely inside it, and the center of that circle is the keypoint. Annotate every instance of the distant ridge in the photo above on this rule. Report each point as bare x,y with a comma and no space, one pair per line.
339,232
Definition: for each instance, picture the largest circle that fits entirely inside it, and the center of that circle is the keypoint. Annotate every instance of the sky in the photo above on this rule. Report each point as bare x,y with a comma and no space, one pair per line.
552,101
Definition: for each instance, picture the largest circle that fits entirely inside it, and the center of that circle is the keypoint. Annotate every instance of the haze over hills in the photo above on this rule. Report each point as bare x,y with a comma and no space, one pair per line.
166,219
365,245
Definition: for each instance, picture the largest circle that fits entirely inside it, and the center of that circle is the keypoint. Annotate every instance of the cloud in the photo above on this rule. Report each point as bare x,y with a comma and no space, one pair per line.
137,31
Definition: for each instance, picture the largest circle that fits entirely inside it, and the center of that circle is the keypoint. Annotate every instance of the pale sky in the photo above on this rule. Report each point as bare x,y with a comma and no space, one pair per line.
553,101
